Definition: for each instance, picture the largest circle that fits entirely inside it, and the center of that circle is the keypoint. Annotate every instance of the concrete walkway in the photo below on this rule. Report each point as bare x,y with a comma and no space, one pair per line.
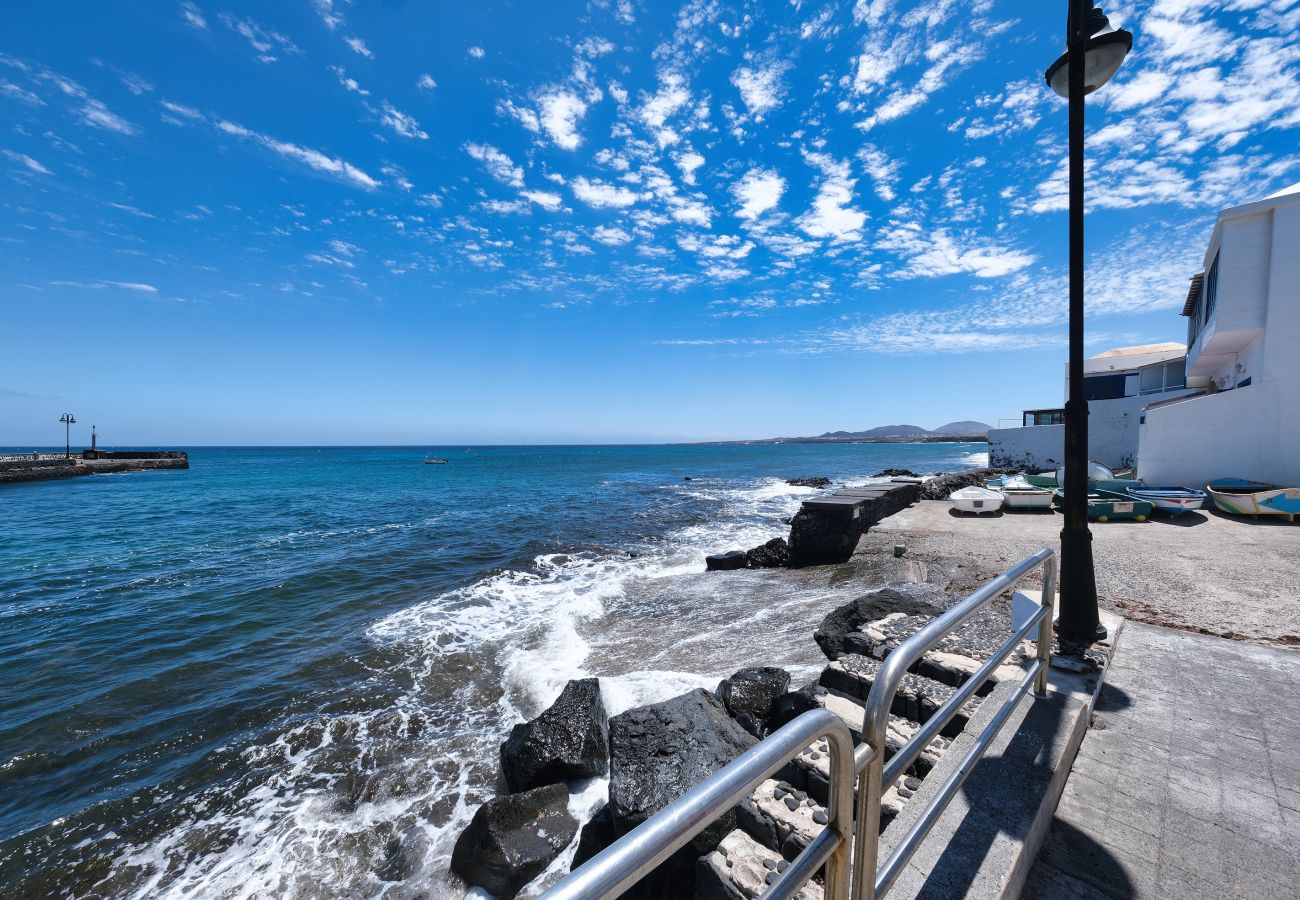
1188,784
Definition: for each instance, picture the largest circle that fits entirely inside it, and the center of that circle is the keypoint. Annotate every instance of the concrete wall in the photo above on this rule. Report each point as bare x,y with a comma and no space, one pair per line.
1113,432
1233,434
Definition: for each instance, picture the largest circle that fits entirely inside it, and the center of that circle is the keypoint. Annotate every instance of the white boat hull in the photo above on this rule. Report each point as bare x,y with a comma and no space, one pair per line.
976,500
1028,499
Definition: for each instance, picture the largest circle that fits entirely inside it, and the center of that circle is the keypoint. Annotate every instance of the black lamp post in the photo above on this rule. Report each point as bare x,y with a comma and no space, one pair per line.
1089,61
68,420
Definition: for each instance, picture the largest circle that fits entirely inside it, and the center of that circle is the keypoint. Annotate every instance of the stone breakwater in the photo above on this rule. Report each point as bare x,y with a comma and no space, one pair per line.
42,468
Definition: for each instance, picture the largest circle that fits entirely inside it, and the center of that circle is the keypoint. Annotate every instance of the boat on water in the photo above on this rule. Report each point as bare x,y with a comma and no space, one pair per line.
1254,498
1107,506
976,500
433,461
1173,500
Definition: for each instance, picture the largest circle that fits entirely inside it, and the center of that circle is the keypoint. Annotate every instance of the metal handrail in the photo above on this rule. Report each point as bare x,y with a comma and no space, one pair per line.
621,865
869,883
617,868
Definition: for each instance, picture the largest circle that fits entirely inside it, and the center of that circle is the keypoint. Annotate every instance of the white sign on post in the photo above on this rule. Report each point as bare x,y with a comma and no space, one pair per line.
1022,610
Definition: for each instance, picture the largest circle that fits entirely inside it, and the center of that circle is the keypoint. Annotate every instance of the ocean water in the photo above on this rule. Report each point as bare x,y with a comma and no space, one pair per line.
287,671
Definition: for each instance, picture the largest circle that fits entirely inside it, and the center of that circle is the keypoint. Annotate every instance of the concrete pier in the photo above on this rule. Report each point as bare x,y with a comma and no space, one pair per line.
827,528
46,466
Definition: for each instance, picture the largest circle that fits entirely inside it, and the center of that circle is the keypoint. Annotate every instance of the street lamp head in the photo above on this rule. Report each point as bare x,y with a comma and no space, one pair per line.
1102,55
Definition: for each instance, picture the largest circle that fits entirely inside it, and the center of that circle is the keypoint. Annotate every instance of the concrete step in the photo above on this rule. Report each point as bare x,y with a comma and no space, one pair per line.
918,697
900,731
781,817
741,869
958,655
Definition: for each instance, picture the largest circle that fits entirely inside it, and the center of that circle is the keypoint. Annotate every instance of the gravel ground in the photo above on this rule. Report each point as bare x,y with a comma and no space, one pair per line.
1204,571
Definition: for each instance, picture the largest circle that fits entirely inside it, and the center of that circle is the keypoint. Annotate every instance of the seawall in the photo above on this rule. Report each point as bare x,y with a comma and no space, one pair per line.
45,467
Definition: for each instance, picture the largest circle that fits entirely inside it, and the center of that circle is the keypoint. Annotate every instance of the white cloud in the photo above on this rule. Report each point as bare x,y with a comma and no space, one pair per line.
27,161
757,192
328,14
760,87
831,215
96,114
498,165
688,162
560,113
884,171
545,199
426,82
401,123
602,195
476,52
359,46
671,97
611,235
193,16
9,89
182,110
932,252
348,82
313,159
263,40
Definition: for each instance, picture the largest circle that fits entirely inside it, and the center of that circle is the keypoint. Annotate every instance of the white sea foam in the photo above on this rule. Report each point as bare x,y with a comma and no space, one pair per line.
292,834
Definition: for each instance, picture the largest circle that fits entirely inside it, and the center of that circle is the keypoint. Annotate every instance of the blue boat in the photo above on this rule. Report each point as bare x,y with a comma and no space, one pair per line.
1255,498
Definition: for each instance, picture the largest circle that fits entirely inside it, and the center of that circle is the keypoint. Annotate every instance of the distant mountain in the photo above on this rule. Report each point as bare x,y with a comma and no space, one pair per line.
964,427
890,434
881,431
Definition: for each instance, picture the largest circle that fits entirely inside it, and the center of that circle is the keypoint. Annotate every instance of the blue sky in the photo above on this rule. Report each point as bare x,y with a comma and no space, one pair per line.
333,222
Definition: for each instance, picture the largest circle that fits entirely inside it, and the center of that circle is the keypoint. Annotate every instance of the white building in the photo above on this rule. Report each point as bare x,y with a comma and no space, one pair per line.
1243,356
1117,385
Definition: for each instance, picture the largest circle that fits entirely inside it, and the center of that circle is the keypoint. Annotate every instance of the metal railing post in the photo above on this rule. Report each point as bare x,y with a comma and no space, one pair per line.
1045,627
866,837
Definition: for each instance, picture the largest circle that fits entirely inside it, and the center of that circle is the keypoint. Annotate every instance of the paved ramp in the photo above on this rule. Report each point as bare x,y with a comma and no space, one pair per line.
1188,784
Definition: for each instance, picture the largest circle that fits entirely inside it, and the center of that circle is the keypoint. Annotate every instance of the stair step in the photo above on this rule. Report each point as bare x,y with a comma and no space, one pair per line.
781,817
957,655
917,699
898,733
741,869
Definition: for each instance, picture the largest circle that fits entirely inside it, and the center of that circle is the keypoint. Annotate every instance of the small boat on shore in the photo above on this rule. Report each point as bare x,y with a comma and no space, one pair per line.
1173,500
1106,506
434,461
1254,498
976,500
1026,497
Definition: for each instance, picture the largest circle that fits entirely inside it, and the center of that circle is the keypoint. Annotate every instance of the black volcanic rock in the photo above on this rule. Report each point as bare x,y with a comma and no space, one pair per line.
725,562
838,633
748,695
512,839
596,835
658,753
771,555
568,741
819,481
896,473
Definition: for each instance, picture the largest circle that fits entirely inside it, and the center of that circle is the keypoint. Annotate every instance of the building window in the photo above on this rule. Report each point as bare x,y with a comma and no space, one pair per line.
1211,287
1043,417
1170,376
1103,387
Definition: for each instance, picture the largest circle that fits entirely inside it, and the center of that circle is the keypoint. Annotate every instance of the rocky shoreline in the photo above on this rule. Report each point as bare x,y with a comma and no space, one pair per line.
654,753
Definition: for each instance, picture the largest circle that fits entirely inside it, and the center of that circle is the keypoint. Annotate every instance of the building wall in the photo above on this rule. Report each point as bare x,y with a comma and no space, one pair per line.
1233,434
1113,429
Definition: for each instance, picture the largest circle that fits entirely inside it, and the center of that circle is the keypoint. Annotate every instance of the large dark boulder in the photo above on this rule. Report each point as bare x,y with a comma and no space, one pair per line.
839,632
896,473
748,695
657,754
788,707
568,741
820,481
725,562
512,839
596,835
771,555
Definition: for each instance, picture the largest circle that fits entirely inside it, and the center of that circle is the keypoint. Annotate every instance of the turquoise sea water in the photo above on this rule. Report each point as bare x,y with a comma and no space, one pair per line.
286,671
